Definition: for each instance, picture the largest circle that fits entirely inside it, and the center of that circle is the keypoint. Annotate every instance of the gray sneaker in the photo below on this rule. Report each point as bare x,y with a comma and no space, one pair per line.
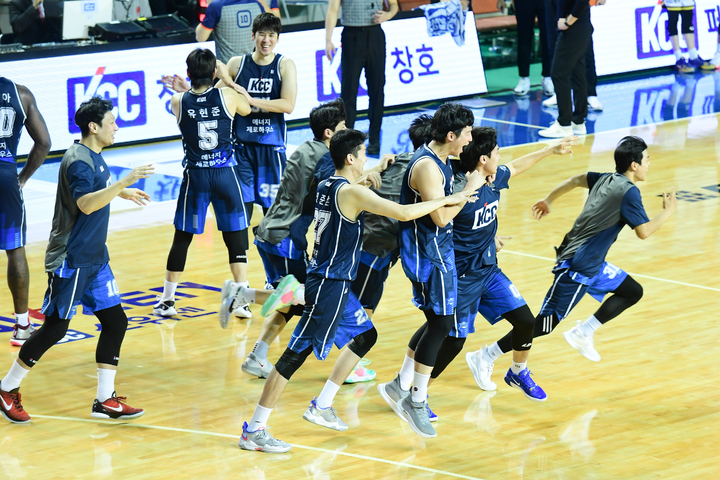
262,441
325,417
417,417
393,395
226,297
256,367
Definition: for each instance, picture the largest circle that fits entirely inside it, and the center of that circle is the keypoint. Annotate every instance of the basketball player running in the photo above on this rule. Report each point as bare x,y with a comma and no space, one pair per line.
482,287
338,234
18,108
428,259
613,202
77,264
205,117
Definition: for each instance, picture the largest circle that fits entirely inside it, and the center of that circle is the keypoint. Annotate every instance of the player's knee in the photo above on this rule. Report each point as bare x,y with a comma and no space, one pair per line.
289,362
237,244
113,320
454,345
687,22
361,344
440,325
545,324
178,251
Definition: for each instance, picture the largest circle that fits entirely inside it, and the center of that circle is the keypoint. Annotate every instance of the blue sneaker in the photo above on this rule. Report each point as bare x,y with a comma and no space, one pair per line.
696,64
683,66
431,414
523,381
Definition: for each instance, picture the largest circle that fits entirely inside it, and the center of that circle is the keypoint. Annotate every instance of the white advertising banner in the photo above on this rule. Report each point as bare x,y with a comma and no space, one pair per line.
419,68
631,35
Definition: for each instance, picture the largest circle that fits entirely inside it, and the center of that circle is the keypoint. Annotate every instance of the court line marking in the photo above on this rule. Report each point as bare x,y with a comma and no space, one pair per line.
649,277
236,437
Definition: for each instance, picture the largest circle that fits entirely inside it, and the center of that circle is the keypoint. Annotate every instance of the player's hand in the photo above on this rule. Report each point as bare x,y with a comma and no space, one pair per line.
381,16
330,50
474,181
600,2
139,172
135,195
564,146
489,179
540,209
500,242
562,25
670,200
243,92
462,196
175,82
223,74
371,179
386,161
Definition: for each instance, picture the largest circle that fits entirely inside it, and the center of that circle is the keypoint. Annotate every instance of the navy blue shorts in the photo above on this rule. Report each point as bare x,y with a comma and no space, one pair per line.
12,209
438,294
487,291
569,287
369,285
276,267
261,167
333,314
203,186
94,287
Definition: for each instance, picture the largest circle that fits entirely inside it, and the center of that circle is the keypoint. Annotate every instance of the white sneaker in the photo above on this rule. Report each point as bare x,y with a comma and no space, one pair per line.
578,129
550,102
20,334
581,343
556,131
594,104
256,367
165,308
481,369
243,311
548,88
523,86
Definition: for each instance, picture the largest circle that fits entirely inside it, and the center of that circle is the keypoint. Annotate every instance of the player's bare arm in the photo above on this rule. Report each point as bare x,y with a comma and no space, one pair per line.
524,163
354,199
175,105
288,92
381,16
94,201
330,22
542,208
37,129
202,33
236,103
669,205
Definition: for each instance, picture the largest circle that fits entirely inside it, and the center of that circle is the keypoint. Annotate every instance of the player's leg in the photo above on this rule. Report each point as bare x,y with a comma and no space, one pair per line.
18,279
354,55
688,33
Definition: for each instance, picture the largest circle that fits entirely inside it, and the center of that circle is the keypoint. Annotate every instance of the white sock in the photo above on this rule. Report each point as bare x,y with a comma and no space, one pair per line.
168,291
106,383
406,373
326,397
15,375
259,418
589,326
261,349
678,55
420,386
518,367
692,53
245,294
493,352
22,319
300,295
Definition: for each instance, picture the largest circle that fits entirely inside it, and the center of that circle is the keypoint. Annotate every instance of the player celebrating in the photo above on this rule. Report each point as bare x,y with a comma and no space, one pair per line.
77,264
205,117
18,108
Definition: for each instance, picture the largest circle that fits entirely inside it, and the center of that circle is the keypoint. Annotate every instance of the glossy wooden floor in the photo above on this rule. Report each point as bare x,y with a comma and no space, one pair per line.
649,409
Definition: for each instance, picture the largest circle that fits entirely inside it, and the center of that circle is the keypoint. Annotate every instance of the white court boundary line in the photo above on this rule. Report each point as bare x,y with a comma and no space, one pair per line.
236,437
649,277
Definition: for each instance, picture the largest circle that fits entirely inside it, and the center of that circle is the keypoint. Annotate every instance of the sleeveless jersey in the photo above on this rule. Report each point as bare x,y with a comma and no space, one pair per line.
206,128
12,119
424,245
337,238
261,81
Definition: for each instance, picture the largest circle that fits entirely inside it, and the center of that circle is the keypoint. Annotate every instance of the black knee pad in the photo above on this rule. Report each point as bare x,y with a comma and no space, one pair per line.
237,244
114,325
687,22
289,315
523,330
290,361
51,332
545,324
630,289
361,344
178,251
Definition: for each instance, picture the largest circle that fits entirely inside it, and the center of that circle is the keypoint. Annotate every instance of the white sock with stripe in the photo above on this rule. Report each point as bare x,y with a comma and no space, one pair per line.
589,326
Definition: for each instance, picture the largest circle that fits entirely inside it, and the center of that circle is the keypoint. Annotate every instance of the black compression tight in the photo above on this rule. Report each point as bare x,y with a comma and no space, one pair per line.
427,339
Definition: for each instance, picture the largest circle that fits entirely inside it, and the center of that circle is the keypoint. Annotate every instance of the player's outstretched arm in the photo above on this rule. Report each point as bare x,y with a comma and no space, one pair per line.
94,201
669,205
354,199
542,208
36,127
524,163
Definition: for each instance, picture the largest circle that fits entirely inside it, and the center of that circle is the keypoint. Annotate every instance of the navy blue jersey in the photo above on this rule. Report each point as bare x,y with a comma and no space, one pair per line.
337,238
261,81
475,227
206,126
424,245
12,119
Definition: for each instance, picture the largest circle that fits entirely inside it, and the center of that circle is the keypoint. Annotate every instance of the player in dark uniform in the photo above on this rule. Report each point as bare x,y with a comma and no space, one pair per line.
338,235
613,202
426,249
77,263
205,116
18,108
